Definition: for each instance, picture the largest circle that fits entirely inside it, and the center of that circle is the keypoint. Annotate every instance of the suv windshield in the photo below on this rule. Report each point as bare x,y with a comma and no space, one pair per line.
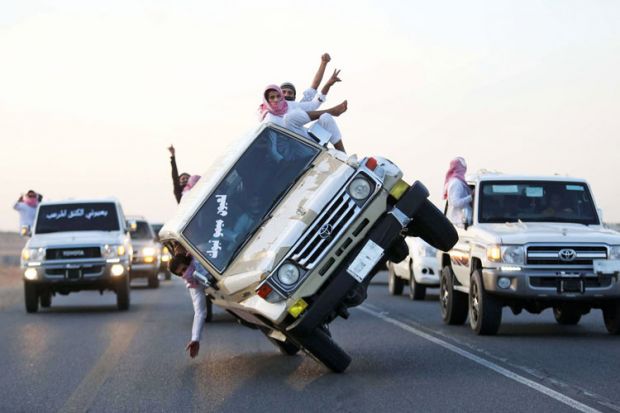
95,216
143,231
244,197
536,201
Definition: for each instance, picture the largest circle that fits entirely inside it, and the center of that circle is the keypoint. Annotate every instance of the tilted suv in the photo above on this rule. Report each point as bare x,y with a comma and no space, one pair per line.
291,231
77,245
533,243
146,252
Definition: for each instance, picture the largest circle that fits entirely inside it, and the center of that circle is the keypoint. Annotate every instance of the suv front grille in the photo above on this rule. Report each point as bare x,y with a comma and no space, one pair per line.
72,253
325,231
573,255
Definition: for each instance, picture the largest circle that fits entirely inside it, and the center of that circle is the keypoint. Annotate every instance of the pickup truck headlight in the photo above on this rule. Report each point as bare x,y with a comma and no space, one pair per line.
509,254
33,254
113,251
148,252
360,188
614,252
288,274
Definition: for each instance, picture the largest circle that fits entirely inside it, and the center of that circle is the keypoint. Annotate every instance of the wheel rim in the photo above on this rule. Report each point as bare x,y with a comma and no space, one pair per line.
444,294
474,302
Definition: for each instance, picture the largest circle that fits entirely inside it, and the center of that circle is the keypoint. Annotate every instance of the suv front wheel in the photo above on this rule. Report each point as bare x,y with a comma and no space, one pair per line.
611,316
485,311
31,296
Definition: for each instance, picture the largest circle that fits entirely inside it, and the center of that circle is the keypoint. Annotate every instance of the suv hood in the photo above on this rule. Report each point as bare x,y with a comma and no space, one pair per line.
75,238
523,233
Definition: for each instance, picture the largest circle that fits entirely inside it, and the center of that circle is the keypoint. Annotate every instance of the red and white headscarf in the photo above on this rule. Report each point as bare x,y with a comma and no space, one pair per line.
191,182
31,202
458,168
277,109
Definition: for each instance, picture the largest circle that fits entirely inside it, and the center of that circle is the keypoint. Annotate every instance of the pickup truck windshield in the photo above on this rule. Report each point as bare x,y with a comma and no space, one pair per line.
95,216
536,201
245,196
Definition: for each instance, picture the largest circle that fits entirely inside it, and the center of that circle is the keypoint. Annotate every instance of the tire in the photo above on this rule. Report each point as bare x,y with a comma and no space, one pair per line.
321,347
566,315
209,316
122,294
45,299
31,297
288,348
167,275
485,311
398,250
154,280
433,227
453,303
395,283
611,317
417,291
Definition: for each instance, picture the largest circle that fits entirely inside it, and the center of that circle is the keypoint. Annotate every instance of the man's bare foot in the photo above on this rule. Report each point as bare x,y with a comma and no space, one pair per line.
339,109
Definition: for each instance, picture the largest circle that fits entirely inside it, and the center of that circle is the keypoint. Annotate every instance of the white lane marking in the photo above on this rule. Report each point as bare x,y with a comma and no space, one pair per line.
483,362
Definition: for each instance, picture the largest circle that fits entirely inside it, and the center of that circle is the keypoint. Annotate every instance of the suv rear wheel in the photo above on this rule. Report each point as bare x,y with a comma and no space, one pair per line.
566,315
320,346
485,311
31,297
395,283
453,303
154,280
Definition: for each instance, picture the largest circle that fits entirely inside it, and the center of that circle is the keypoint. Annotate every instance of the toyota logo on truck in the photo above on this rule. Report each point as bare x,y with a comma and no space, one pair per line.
567,255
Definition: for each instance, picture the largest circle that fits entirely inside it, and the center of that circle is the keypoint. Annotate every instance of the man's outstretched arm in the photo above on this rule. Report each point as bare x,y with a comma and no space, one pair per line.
318,77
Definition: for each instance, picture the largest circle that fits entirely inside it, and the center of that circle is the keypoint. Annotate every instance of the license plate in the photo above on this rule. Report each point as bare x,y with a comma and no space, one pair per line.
572,285
365,261
73,274
610,267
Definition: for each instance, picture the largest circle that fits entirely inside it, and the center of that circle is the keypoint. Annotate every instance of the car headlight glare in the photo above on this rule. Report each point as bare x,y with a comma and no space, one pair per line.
614,252
288,274
148,251
360,188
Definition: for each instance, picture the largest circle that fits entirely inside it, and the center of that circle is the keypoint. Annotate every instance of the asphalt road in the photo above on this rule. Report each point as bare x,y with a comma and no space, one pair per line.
84,355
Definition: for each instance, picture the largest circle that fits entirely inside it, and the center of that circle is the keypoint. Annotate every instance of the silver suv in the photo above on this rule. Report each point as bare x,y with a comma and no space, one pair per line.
532,243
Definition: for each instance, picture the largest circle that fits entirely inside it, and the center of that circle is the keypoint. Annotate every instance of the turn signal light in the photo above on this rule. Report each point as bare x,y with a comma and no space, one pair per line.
399,189
264,291
371,164
298,308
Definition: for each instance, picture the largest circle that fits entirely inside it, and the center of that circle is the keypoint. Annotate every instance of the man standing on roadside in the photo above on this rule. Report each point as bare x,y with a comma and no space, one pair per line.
178,181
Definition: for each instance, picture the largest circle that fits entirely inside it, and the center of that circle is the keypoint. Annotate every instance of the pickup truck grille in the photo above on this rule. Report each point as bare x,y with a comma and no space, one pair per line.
565,255
72,253
326,230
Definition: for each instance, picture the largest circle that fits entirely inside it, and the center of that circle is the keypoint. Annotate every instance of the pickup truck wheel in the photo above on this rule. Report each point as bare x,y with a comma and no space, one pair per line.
611,316
395,283
323,349
485,311
397,251
31,297
167,275
453,303
433,227
45,299
122,294
417,291
154,280
566,315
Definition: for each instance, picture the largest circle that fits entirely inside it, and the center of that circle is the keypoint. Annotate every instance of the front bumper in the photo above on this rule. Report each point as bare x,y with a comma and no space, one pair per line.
83,273
140,268
549,284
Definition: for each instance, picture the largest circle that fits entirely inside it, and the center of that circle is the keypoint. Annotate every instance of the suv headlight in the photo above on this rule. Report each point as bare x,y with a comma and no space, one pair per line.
149,252
33,254
614,252
288,274
509,254
113,251
360,188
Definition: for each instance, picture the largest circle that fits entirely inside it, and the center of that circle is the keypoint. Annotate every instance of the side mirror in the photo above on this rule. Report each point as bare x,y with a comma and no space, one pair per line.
132,225
599,211
25,231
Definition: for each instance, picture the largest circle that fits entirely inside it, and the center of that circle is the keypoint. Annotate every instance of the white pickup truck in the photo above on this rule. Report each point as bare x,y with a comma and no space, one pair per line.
532,243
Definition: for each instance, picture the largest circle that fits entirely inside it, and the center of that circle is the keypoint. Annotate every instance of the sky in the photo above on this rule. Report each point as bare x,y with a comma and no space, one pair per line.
92,93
